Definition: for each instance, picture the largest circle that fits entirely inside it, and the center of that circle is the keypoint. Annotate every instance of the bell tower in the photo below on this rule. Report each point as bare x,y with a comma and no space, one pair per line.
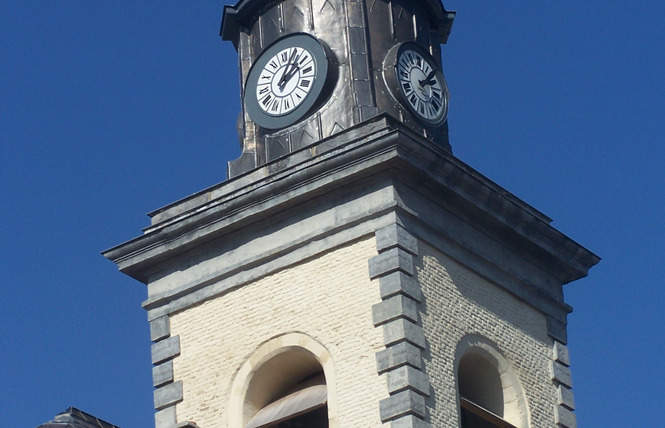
353,49
352,272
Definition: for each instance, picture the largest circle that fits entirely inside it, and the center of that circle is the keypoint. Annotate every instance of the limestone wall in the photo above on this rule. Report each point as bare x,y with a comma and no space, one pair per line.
459,304
328,299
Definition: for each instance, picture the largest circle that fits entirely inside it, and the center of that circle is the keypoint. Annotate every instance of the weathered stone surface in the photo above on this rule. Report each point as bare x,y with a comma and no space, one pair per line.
393,308
403,330
566,397
162,374
565,418
561,374
409,421
165,349
561,354
160,328
399,283
396,236
397,355
407,377
165,418
389,261
401,404
168,395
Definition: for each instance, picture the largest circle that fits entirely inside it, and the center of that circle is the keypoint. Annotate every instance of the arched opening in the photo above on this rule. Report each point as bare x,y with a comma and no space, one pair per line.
490,395
287,382
288,391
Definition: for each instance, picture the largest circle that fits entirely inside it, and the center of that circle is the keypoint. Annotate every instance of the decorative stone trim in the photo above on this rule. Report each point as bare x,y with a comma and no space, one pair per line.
403,335
160,328
566,397
166,349
561,376
561,354
162,374
565,418
402,404
167,393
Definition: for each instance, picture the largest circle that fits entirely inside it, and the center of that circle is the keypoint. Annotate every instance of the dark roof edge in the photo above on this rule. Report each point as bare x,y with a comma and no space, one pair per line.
236,16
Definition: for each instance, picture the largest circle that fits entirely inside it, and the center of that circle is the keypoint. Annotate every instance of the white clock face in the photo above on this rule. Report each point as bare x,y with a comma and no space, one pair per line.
423,86
285,81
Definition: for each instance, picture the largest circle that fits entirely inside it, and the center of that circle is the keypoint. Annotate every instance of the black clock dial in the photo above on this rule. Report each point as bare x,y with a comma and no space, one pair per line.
287,81
415,79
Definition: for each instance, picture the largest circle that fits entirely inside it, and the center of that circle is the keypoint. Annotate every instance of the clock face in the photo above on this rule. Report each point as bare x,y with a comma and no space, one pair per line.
420,84
286,81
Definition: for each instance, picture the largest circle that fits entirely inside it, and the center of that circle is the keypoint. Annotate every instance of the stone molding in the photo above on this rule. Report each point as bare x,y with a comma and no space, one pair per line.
564,415
167,392
403,335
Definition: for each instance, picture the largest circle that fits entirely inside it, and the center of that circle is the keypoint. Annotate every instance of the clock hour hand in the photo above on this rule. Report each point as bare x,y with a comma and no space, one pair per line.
289,71
428,80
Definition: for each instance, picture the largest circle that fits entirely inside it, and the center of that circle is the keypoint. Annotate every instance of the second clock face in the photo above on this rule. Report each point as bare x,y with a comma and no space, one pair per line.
287,80
418,82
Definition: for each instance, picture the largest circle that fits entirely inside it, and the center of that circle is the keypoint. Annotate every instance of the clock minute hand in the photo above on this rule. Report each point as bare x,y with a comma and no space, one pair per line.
291,64
428,80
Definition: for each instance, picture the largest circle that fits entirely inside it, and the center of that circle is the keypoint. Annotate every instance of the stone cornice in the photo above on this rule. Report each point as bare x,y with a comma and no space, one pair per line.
380,147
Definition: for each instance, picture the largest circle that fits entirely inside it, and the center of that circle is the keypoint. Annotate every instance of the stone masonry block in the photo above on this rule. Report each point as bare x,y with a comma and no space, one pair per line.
561,354
403,330
389,261
557,330
409,421
396,236
406,377
165,349
561,374
393,308
400,283
402,404
160,328
168,395
162,374
398,355
566,397
165,418
564,417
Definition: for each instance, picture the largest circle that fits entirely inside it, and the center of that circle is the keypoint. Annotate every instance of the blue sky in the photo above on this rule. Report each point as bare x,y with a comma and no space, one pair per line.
109,110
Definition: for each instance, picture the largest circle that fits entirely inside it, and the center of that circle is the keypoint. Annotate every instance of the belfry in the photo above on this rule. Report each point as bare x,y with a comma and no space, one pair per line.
352,272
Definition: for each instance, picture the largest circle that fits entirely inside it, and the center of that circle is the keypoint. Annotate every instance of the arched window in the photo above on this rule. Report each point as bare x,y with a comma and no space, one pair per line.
288,391
489,392
285,383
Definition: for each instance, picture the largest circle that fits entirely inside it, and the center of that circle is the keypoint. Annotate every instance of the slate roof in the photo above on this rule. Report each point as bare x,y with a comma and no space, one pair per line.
75,418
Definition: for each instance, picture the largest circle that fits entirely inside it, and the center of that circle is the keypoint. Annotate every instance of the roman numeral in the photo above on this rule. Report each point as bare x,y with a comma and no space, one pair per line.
305,83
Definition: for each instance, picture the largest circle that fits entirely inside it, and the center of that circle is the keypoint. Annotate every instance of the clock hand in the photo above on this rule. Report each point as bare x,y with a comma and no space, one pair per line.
291,63
428,80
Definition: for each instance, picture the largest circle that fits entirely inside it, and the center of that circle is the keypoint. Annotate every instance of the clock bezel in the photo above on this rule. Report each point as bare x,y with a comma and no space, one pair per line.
391,78
323,78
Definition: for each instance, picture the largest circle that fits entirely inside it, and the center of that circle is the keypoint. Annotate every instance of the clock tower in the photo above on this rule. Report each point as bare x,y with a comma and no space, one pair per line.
352,272
311,69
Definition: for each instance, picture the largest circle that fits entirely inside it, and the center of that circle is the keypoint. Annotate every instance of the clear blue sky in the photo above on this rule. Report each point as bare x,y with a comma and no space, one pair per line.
110,109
